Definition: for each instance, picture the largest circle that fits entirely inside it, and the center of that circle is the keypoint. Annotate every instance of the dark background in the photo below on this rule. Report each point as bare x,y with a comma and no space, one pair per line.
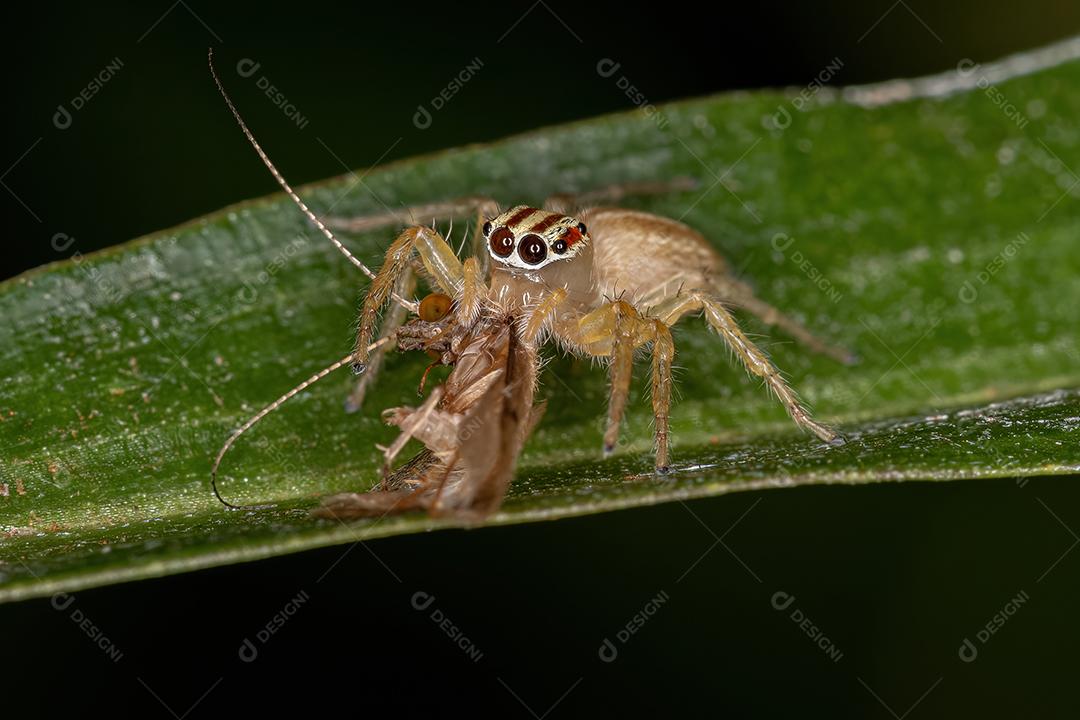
897,576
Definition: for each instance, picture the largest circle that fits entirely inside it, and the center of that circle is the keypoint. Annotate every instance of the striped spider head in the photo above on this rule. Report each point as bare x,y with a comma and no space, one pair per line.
529,239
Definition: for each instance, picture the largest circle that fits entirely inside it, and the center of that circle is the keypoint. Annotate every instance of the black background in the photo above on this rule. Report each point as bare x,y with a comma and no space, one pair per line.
895,575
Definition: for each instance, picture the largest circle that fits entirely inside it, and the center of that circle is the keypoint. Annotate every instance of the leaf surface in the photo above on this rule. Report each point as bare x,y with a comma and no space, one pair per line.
928,225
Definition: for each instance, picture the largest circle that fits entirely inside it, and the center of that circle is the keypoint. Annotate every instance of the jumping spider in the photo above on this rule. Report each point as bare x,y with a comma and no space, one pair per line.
599,281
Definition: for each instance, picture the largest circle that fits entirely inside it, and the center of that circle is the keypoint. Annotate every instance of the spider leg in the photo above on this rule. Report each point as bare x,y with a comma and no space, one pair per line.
569,202
740,294
751,356
440,263
616,330
394,319
418,214
479,242
662,356
472,291
543,311
620,370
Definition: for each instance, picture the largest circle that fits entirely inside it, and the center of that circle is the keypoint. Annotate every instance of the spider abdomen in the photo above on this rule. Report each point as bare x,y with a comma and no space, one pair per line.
645,258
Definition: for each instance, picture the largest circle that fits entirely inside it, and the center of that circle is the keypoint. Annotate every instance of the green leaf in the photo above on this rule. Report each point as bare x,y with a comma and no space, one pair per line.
928,225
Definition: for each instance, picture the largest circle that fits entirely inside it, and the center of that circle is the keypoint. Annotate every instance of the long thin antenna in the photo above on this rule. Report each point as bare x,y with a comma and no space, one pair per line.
407,304
271,408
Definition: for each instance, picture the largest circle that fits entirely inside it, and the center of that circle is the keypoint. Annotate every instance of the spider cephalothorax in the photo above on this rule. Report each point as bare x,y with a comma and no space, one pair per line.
529,238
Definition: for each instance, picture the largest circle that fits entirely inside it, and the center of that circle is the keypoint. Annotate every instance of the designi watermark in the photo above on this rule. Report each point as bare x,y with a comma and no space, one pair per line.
967,67
63,117
249,651
63,602
969,291
969,651
782,243
781,119
422,601
609,651
423,117
607,68
782,601
247,68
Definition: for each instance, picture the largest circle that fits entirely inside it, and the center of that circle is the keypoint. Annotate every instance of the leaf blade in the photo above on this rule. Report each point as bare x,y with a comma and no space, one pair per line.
125,370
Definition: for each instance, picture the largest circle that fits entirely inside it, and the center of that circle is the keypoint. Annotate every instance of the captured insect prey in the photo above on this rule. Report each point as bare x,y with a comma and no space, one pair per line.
576,272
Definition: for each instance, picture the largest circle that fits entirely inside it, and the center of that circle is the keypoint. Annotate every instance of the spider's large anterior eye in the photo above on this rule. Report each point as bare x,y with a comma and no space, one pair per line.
532,249
502,242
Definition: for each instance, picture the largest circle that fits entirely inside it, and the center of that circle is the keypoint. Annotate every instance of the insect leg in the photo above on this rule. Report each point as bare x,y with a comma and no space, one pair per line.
411,422
569,202
406,488
472,440
751,356
418,214
740,294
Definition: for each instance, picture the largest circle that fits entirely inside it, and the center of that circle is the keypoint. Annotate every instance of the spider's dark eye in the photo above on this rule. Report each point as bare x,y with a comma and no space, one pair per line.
532,249
502,242
581,229
487,229
560,247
